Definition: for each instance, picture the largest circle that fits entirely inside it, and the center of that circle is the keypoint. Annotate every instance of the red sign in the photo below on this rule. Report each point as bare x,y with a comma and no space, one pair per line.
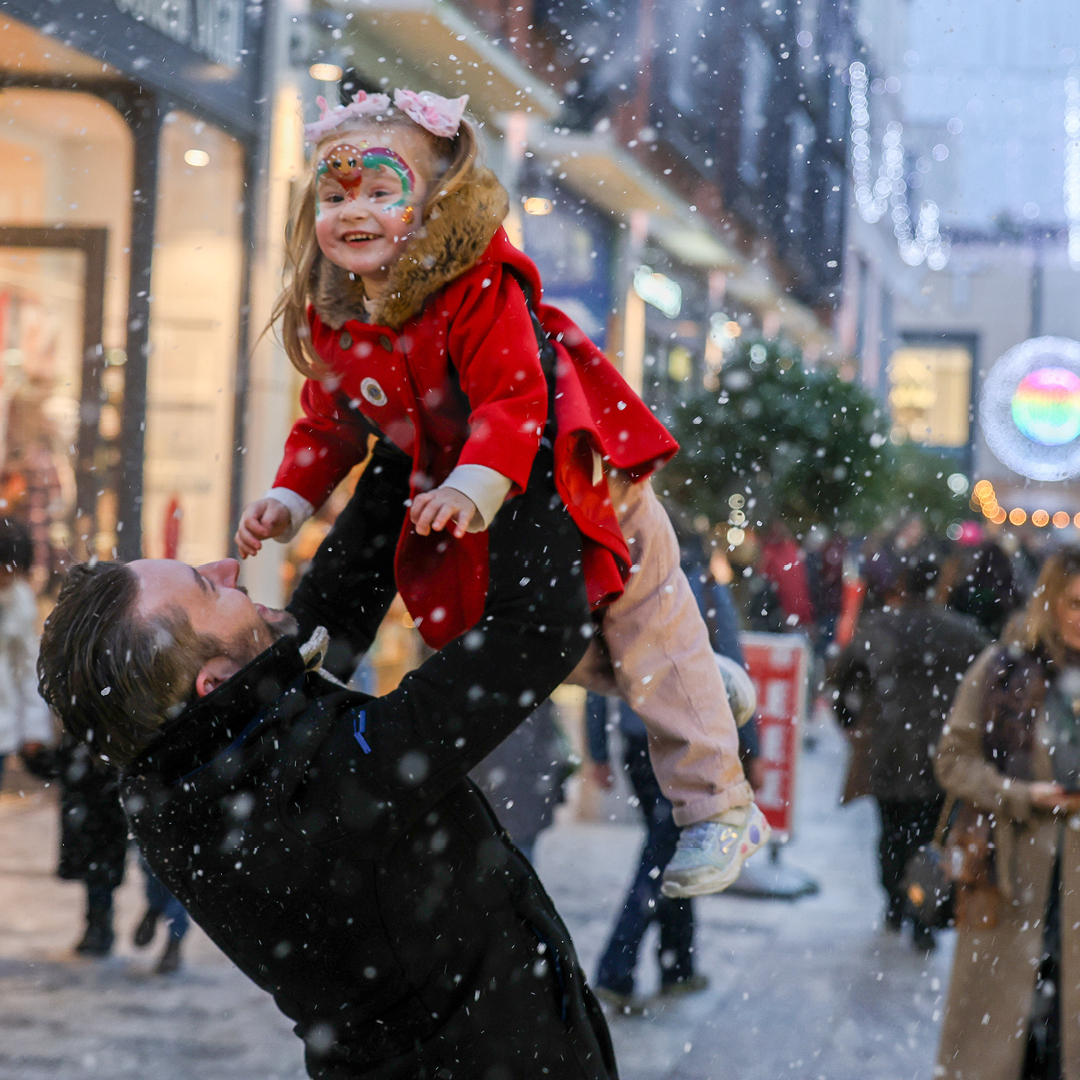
779,664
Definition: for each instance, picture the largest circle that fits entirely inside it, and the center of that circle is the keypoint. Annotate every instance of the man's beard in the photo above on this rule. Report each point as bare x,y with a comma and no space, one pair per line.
247,645
284,625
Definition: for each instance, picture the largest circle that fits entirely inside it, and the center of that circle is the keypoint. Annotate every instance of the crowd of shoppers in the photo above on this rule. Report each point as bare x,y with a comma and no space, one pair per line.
895,682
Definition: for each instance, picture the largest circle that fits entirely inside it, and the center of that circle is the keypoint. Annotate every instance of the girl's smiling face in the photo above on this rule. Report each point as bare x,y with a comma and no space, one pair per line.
369,194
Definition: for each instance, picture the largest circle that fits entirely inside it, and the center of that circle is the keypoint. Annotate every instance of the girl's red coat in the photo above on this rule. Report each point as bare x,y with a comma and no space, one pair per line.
462,383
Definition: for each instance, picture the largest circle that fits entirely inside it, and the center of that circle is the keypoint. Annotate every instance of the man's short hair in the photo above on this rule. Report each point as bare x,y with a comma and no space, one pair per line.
113,676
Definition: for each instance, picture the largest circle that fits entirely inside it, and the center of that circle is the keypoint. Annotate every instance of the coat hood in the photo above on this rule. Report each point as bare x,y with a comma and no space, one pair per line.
452,239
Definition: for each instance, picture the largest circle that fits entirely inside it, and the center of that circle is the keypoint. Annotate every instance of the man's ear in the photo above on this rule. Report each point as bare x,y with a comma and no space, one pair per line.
213,673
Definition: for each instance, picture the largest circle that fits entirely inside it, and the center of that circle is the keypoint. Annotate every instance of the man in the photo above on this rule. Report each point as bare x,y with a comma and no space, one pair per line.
895,683
329,841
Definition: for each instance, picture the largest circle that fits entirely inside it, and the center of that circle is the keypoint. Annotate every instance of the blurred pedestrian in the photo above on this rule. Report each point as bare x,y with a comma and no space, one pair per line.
755,596
161,904
986,588
784,564
1010,751
93,840
25,722
825,557
894,684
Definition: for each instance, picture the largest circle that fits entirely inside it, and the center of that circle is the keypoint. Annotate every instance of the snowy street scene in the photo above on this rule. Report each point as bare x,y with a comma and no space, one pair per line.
539,539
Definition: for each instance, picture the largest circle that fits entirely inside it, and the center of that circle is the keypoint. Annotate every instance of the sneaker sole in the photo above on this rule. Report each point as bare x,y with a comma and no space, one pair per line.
622,1004
713,881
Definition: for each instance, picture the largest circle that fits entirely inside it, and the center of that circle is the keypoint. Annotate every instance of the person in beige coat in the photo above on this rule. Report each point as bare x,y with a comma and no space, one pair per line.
1010,749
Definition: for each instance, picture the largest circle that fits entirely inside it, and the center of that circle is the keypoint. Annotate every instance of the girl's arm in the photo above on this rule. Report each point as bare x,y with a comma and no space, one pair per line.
493,349
324,444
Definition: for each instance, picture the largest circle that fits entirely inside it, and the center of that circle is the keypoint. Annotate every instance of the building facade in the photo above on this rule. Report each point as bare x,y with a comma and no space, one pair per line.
967,131
132,144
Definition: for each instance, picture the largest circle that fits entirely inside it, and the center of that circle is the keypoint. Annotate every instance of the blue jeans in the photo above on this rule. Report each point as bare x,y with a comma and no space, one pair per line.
644,902
159,899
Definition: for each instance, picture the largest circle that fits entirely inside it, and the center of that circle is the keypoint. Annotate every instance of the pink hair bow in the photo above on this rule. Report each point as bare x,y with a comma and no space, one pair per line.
361,105
441,116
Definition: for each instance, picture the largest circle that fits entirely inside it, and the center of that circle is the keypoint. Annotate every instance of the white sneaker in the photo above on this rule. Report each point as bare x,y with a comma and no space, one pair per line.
710,854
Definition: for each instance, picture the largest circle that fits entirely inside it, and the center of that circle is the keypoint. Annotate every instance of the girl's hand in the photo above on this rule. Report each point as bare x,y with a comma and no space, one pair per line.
434,510
261,520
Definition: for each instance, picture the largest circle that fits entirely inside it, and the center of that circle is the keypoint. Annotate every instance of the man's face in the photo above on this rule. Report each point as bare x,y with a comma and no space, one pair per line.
213,603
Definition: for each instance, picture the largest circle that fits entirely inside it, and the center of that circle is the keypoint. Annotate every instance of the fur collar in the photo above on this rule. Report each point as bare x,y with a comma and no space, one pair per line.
457,232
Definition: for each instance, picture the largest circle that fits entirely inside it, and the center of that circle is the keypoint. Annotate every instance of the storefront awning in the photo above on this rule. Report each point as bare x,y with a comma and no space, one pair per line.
595,166
453,53
756,289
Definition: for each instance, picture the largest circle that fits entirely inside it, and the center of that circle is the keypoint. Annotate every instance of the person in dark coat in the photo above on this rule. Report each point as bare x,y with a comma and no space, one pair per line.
986,589
895,682
329,842
93,840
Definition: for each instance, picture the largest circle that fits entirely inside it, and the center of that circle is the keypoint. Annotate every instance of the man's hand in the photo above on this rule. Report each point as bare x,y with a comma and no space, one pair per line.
434,510
261,520
1053,797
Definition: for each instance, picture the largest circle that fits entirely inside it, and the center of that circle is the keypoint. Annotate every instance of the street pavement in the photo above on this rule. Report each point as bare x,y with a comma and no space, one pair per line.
807,989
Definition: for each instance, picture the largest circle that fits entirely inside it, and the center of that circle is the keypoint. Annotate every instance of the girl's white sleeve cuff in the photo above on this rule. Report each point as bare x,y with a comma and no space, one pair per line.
486,487
299,510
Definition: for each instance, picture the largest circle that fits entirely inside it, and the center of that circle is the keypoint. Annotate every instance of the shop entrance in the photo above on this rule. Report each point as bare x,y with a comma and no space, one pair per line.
57,424
119,206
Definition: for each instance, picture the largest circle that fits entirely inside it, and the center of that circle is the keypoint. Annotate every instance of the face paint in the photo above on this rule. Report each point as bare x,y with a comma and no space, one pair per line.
343,162
382,157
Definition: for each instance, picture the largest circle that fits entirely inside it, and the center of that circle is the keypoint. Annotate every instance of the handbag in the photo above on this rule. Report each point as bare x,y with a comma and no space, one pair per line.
928,889
952,878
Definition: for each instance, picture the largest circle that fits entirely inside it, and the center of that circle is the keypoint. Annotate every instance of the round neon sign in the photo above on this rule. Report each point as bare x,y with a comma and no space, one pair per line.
1029,409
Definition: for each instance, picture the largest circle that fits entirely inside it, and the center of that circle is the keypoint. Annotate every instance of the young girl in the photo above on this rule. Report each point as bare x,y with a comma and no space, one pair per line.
415,319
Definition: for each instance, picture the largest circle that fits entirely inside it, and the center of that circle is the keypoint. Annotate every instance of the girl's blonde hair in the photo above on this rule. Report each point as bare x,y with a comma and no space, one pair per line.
1039,628
454,163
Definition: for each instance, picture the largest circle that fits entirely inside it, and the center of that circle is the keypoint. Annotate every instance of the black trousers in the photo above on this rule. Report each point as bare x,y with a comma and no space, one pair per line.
906,824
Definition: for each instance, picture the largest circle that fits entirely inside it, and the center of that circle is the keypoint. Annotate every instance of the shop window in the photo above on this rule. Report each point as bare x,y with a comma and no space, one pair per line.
195,310
930,394
65,192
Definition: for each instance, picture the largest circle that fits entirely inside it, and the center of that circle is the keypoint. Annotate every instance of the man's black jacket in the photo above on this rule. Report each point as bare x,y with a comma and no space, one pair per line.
332,846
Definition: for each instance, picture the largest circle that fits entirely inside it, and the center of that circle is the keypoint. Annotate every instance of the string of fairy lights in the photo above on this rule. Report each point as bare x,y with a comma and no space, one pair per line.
888,193
984,500
1072,167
